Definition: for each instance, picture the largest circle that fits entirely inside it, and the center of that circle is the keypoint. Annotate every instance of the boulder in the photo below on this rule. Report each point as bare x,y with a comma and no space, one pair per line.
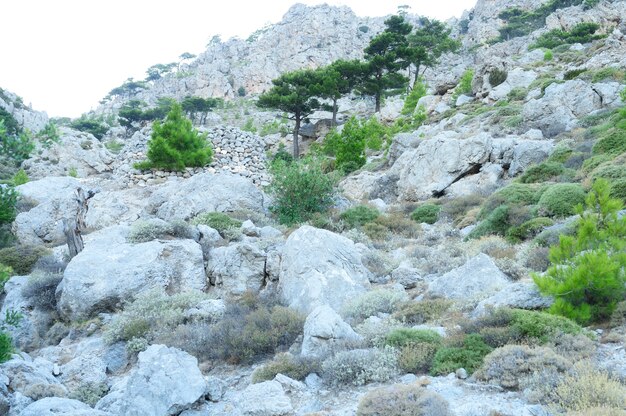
265,399
521,295
33,379
25,334
53,199
166,381
319,267
237,268
110,271
205,192
55,406
475,280
109,208
407,276
516,78
324,330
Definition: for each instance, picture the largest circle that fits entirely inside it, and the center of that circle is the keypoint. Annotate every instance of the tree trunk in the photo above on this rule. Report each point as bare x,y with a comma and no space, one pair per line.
296,133
417,74
334,122
74,227
377,102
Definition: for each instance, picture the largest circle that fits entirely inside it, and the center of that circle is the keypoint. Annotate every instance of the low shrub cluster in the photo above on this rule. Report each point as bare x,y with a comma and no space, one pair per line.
560,199
296,368
359,216
581,33
468,356
361,366
41,288
417,313
144,231
402,400
373,302
22,258
428,213
224,224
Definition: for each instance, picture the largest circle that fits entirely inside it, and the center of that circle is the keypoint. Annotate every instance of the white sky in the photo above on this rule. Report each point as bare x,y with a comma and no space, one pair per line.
63,56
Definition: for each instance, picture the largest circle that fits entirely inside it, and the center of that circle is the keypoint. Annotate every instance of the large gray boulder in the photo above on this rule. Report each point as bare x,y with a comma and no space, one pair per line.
76,150
166,381
324,330
26,333
109,208
517,78
32,379
110,271
475,280
52,199
205,192
521,295
237,268
56,406
265,399
319,267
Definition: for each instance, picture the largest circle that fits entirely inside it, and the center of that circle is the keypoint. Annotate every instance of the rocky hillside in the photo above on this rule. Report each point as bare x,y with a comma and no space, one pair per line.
415,293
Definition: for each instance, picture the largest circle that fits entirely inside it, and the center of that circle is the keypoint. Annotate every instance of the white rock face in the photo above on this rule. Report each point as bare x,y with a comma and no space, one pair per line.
31,378
75,150
237,268
319,267
323,330
25,116
110,271
517,78
26,333
54,199
265,399
56,406
166,381
522,295
476,279
109,208
223,192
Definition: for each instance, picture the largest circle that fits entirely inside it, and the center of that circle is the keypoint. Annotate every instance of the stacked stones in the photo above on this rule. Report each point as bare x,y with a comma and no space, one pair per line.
236,151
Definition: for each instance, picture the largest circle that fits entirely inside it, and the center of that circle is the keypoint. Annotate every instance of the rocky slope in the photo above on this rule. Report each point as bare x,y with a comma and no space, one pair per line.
148,318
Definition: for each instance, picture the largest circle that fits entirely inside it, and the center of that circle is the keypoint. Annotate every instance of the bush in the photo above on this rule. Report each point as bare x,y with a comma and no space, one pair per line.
175,144
20,178
90,125
361,366
560,199
542,172
581,33
465,84
41,289
417,313
529,229
89,393
417,358
497,222
497,77
8,200
509,366
408,336
402,400
296,368
5,274
410,103
470,356
359,215
22,259
12,318
374,302
548,55
300,189
224,224
586,388
618,189
613,143
428,213
587,276
541,327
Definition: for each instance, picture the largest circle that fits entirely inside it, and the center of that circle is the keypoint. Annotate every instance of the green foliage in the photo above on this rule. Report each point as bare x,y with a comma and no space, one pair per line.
92,125
497,222
581,33
72,172
428,213
417,313
529,229
560,199
9,124
360,367
406,336
5,274
470,356
157,71
22,258
497,76
219,221
612,143
542,172
249,125
359,215
541,327
518,94
175,144
143,231
410,103
588,272
300,189
114,146
374,302
20,178
618,189
573,74
548,55
288,365
517,193
16,146
41,288
350,146
611,73
8,200
49,135
465,84
11,318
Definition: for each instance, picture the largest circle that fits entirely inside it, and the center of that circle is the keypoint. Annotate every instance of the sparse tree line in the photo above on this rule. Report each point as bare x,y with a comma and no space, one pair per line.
398,48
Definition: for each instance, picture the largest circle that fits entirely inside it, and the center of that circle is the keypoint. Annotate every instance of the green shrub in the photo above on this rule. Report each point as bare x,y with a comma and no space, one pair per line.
92,125
374,302
529,229
470,356
541,327
5,274
542,172
595,161
618,189
518,94
402,400
497,77
573,74
410,103
581,33
89,393
11,318
22,258
359,215
560,199
587,277
465,84
20,178
615,74
613,143
219,221
407,336
548,55
428,213
497,222
359,367
417,358
296,368
416,313
609,172
8,200
300,189
175,144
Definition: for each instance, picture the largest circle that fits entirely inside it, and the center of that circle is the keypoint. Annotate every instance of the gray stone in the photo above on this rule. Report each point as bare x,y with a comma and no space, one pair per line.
319,267
216,388
313,381
166,381
463,99
237,268
55,406
110,271
32,379
477,279
324,330
248,228
407,276
265,399
516,78
521,295
270,232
